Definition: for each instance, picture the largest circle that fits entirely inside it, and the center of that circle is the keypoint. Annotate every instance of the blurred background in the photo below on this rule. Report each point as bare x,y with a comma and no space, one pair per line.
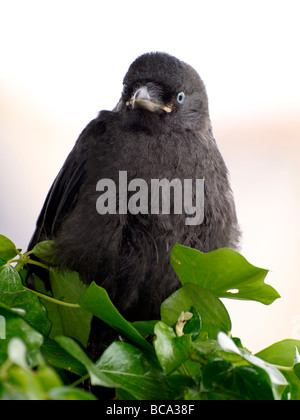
63,61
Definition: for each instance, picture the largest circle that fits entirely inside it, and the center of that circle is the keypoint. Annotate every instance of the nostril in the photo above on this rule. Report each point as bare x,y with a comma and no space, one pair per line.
142,93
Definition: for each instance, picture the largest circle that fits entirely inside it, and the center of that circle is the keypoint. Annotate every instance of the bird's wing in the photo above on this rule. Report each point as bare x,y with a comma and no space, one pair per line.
60,201
63,195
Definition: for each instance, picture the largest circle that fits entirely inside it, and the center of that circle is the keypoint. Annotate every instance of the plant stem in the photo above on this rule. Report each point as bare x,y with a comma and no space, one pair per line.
23,260
5,368
182,370
50,299
80,380
284,368
33,262
185,370
13,261
20,265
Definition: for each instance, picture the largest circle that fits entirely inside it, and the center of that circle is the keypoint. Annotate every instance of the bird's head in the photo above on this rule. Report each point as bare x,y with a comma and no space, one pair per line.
161,85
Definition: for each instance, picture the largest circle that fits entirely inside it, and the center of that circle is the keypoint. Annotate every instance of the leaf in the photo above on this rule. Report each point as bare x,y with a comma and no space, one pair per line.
179,381
16,351
277,379
10,281
45,252
122,366
67,286
297,356
171,350
66,393
224,272
17,327
74,349
132,371
8,249
23,383
47,377
54,315
13,294
213,313
57,357
222,380
96,301
204,348
282,354
2,262
194,326
297,364
26,382
145,328
192,394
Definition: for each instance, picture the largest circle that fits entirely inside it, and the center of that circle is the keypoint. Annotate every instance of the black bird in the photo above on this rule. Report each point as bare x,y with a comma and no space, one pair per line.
160,129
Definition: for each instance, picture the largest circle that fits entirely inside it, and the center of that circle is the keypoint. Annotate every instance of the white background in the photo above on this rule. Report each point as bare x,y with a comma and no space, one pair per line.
63,61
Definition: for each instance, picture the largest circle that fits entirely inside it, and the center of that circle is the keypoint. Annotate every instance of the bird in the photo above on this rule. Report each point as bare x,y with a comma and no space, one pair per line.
159,129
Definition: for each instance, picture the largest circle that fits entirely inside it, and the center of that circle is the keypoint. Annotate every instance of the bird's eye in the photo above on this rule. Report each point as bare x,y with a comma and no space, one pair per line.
125,90
180,98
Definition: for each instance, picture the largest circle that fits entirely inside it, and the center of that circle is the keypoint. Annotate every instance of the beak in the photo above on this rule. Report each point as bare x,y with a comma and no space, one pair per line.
142,100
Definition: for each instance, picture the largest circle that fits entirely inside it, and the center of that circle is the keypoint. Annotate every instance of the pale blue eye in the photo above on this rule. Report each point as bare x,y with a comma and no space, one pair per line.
180,98
125,90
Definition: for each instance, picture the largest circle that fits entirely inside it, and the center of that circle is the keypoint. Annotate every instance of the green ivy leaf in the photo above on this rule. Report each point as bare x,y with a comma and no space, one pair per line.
67,286
277,380
45,251
283,354
17,327
224,272
10,280
25,382
13,294
57,357
8,249
96,301
134,373
171,350
145,328
222,380
73,348
194,326
297,363
213,313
